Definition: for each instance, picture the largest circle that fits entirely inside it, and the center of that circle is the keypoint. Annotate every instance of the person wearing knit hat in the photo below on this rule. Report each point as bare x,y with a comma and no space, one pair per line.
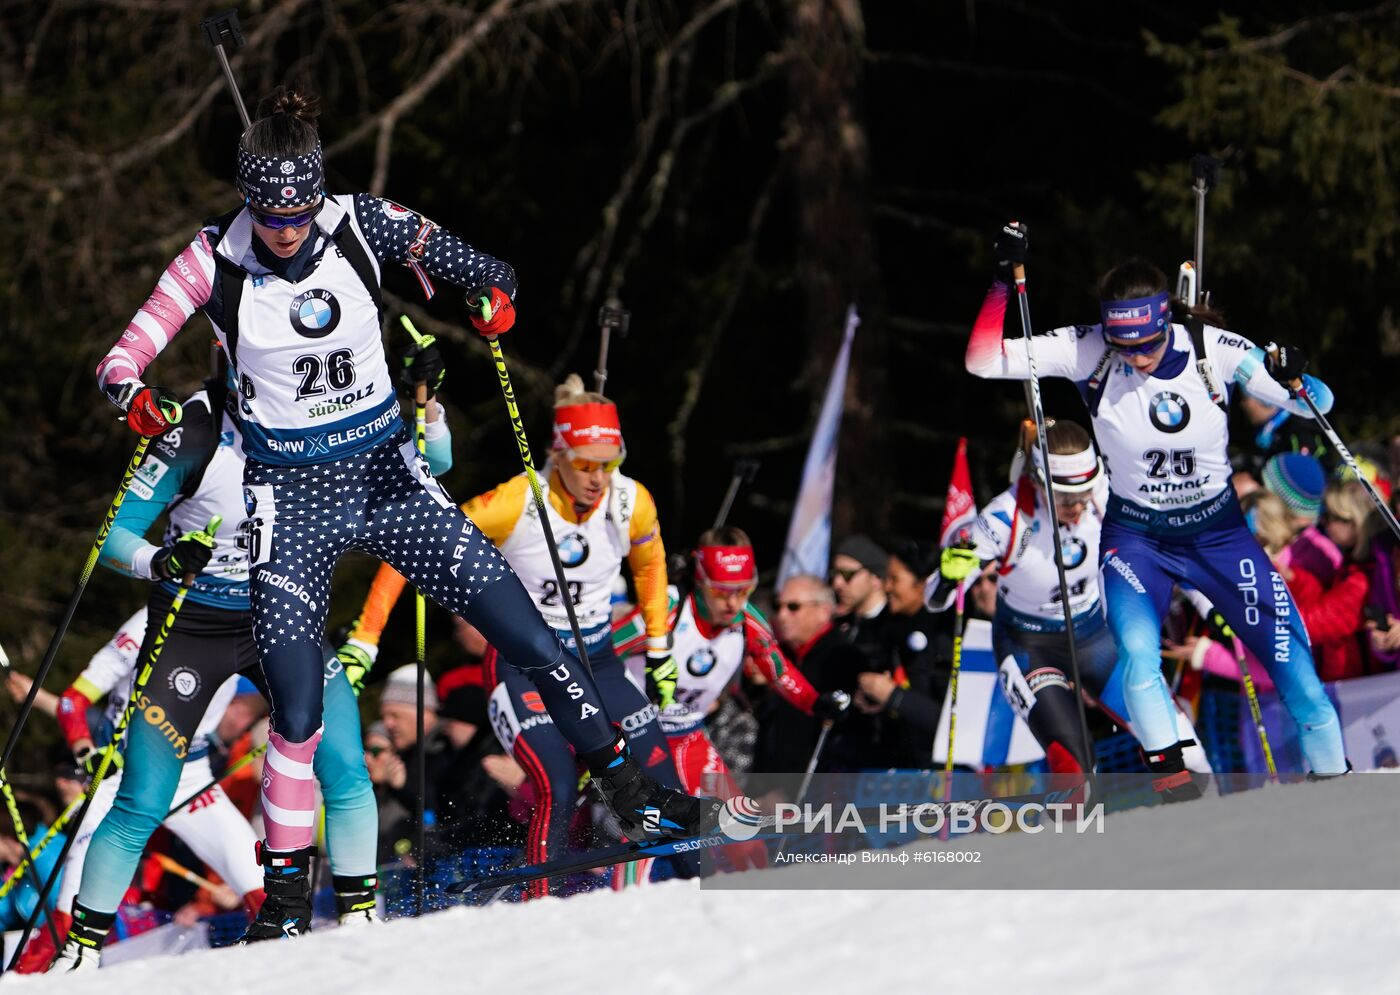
398,707
858,581
1298,480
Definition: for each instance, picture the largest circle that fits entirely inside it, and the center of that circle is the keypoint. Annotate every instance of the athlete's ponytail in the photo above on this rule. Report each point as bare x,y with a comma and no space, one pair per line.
285,125
571,392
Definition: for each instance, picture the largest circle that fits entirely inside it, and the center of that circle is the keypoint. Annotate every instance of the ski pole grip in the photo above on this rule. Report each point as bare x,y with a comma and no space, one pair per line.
1297,384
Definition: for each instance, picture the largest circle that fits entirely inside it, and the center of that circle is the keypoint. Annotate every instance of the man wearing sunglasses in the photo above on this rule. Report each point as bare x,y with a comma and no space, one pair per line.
600,518
1158,394
858,581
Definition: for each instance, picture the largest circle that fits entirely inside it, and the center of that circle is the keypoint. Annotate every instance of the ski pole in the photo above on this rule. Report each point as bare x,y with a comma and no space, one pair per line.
1038,413
1250,692
137,688
224,32
172,866
522,442
26,858
173,414
611,315
811,767
1297,389
420,608
42,845
959,603
744,472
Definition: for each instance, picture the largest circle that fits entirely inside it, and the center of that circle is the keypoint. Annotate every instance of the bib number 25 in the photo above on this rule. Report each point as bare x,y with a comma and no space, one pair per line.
1162,462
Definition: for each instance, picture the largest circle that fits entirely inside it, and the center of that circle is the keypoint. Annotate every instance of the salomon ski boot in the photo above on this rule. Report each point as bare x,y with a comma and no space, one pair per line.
354,899
82,951
645,810
287,909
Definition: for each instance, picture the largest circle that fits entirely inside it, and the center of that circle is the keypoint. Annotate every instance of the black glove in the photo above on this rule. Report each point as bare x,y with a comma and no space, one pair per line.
1285,363
1009,249
90,759
423,364
831,705
189,554
1219,630
662,675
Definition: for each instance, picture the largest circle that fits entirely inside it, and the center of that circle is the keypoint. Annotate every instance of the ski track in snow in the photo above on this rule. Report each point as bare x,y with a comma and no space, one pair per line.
677,937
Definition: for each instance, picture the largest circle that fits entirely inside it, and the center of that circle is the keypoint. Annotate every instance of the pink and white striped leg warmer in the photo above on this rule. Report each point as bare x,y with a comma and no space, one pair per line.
289,793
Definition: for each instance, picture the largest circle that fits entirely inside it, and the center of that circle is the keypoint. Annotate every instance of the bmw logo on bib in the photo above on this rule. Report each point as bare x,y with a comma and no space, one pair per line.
1169,412
573,549
701,662
1074,551
315,313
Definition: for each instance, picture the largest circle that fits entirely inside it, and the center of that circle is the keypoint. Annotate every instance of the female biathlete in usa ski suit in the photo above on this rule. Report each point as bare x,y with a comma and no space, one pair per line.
290,282
599,518
1028,630
1160,418
714,629
193,472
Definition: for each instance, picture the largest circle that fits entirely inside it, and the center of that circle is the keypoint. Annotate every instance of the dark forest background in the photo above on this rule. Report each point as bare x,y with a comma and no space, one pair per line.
735,171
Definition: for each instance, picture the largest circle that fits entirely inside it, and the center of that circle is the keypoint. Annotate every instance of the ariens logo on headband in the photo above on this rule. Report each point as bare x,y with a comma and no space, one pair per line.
1138,325
280,181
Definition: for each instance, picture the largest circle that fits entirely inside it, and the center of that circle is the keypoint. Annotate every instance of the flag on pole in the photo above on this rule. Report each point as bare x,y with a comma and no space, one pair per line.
960,510
808,546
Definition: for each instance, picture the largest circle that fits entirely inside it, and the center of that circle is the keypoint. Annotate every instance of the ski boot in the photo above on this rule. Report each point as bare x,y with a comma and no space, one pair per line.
287,909
1170,778
644,809
82,951
1315,776
354,899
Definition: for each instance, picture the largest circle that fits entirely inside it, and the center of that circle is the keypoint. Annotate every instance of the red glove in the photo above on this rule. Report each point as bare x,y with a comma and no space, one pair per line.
502,310
152,410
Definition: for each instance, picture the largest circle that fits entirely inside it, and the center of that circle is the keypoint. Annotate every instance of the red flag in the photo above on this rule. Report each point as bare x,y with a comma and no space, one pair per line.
960,509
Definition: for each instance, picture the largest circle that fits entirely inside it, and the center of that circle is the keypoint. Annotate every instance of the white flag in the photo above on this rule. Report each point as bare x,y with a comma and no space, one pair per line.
808,546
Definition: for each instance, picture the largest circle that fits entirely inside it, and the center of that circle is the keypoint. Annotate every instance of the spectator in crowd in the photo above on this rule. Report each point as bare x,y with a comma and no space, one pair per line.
858,582
389,775
921,642
1327,572
803,622
473,807
1298,481
1383,603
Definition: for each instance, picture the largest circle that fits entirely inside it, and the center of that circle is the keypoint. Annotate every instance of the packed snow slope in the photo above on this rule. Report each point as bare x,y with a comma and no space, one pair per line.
679,937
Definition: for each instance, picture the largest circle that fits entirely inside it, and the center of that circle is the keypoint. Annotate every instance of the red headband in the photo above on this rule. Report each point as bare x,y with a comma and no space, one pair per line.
593,424
726,567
